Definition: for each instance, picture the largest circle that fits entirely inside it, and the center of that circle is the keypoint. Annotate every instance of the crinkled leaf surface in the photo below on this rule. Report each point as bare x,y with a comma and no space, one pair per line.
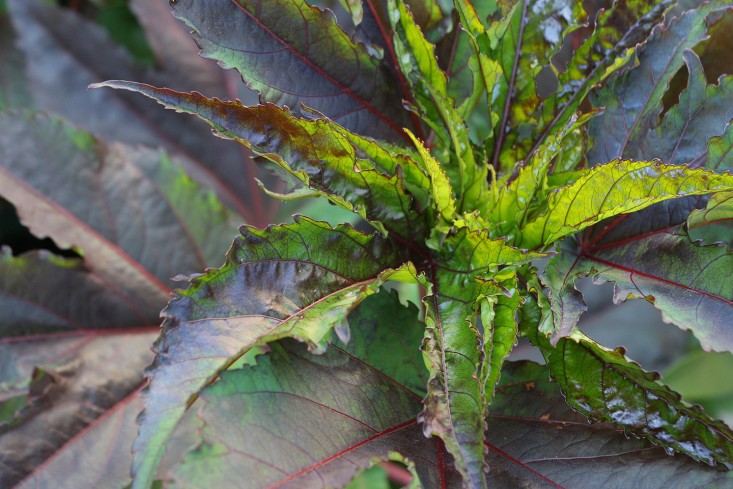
294,53
619,187
649,253
316,152
298,280
536,440
94,203
64,53
605,386
455,408
322,417
418,63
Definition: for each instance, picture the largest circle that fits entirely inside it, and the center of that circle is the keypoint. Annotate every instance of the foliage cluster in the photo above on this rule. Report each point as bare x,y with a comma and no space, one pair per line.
497,152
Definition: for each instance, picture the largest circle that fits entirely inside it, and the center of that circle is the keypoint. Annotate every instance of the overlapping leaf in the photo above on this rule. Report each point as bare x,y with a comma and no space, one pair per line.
455,407
641,252
536,440
322,417
93,203
605,386
76,332
627,187
688,283
294,53
65,52
430,87
714,224
298,280
314,151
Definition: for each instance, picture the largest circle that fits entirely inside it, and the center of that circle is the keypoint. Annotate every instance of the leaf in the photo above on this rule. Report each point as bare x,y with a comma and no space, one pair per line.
688,283
338,78
630,128
536,440
642,251
298,280
455,408
13,83
324,417
605,386
176,53
65,53
498,317
76,332
627,187
94,203
714,224
84,407
417,61
314,151
512,202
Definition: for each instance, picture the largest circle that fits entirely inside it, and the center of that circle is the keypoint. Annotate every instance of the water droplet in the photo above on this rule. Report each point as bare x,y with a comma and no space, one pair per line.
172,2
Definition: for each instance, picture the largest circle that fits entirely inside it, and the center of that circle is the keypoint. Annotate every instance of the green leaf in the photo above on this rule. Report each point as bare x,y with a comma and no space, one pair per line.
416,56
324,417
498,316
338,77
102,200
455,407
627,187
314,151
512,202
536,440
714,224
605,386
298,280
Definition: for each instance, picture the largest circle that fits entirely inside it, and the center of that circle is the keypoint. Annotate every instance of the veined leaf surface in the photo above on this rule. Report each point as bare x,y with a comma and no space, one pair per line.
272,45
291,281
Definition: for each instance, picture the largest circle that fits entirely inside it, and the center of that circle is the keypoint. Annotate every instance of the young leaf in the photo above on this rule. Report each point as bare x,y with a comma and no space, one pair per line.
93,203
605,386
65,53
498,316
536,440
314,151
430,86
627,187
455,408
316,63
297,280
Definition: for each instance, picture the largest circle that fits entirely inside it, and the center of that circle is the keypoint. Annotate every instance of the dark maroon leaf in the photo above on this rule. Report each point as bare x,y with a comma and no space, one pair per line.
65,53
536,440
272,45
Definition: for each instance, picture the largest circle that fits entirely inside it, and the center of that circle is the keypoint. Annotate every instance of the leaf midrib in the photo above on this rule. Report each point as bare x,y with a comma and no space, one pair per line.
344,89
